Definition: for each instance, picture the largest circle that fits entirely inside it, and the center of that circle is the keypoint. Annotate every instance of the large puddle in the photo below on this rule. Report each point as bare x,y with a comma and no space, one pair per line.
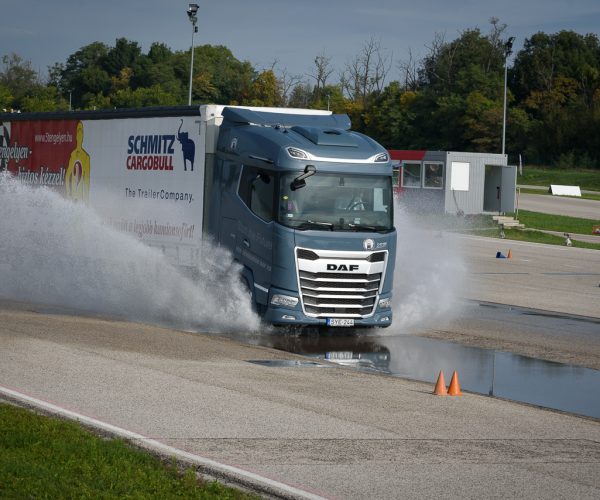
496,373
501,374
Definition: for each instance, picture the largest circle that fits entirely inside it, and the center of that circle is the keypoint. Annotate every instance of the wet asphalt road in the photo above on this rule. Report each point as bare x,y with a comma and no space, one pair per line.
322,428
319,430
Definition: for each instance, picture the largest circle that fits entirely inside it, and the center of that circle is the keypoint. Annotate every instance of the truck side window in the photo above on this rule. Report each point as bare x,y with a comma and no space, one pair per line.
261,196
257,188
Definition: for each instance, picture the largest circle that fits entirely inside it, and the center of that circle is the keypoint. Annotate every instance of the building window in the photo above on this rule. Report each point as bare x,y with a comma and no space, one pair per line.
396,176
411,174
433,176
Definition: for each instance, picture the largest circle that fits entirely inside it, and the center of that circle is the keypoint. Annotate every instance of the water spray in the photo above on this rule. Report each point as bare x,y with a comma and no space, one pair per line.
59,252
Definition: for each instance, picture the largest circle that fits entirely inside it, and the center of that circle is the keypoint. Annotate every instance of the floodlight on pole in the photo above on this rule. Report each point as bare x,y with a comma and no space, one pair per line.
191,12
507,51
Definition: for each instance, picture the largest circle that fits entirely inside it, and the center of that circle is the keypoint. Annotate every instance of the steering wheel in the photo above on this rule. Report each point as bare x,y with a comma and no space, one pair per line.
355,203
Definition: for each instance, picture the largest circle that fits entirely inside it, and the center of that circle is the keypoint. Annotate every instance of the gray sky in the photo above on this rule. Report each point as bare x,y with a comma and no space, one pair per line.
290,32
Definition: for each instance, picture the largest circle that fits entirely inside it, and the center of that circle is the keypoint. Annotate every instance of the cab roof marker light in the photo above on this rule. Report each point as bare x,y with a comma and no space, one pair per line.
297,153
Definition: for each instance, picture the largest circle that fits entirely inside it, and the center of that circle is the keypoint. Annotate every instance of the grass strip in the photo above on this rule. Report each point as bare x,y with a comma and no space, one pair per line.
543,192
533,236
44,457
562,223
537,176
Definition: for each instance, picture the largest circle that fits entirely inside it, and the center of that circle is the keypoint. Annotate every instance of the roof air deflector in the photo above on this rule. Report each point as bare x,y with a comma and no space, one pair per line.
326,136
249,116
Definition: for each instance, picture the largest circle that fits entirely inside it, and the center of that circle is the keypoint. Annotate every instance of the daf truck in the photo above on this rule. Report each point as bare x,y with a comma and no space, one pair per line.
302,202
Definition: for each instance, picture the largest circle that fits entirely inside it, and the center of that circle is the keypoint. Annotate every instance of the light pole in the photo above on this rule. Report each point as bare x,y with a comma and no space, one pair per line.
191,12
507,51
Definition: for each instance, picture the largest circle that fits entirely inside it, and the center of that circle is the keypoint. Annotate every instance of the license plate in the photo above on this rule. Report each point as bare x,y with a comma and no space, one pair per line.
340,322
339,355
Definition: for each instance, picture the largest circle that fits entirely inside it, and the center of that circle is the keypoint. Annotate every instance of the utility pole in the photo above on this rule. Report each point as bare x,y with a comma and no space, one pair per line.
191,12
507,51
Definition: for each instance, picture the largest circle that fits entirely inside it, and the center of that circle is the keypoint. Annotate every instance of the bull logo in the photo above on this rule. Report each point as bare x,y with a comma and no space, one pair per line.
188,148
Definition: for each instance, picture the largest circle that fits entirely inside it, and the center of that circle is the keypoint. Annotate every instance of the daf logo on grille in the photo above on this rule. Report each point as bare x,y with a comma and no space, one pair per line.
368,244
342,267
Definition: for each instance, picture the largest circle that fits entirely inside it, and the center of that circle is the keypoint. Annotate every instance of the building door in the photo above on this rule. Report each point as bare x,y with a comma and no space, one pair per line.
492,189
499,189
509,188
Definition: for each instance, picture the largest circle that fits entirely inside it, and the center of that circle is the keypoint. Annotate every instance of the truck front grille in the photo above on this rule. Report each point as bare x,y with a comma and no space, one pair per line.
331,293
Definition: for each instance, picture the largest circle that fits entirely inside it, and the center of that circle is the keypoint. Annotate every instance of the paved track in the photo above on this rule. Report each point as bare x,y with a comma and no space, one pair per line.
329,431
548,277
326,431
309,431
573,207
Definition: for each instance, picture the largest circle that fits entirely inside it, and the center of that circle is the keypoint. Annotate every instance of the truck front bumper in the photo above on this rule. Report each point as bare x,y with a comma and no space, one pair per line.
280,315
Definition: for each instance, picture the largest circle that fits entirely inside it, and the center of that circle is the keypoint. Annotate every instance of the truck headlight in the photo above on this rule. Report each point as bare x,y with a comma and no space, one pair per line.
385,303
284,300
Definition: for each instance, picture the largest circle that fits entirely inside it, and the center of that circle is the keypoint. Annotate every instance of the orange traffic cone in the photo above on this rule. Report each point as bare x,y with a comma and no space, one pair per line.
509,256
440,385
454,389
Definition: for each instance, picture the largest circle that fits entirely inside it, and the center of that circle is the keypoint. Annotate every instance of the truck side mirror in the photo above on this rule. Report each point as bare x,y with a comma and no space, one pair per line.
299,181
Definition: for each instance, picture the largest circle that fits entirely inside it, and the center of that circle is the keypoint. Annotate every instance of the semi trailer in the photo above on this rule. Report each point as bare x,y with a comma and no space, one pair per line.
302,202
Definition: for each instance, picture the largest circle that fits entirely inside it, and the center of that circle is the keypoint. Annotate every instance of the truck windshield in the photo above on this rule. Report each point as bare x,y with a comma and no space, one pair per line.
337,202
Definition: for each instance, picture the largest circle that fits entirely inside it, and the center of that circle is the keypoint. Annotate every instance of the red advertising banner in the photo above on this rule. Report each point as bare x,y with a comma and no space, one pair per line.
43,152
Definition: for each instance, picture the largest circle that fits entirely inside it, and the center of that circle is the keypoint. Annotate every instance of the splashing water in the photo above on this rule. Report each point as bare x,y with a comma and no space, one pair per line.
429,276
54,251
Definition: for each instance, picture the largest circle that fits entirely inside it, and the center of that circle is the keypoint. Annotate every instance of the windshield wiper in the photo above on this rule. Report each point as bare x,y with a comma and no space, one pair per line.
311,223
364,227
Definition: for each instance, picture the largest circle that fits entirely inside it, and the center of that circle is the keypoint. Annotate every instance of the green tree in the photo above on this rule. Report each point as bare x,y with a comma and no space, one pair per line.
480,122
231,78
142,97
18,78
45,99
452,101
301,95
6,98
157,68
124,54
391,118
99,101
264,90
83,75
203,89
564,54
556,79
330,97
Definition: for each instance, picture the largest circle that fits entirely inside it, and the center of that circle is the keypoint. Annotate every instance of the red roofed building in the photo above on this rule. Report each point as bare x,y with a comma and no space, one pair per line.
454,182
